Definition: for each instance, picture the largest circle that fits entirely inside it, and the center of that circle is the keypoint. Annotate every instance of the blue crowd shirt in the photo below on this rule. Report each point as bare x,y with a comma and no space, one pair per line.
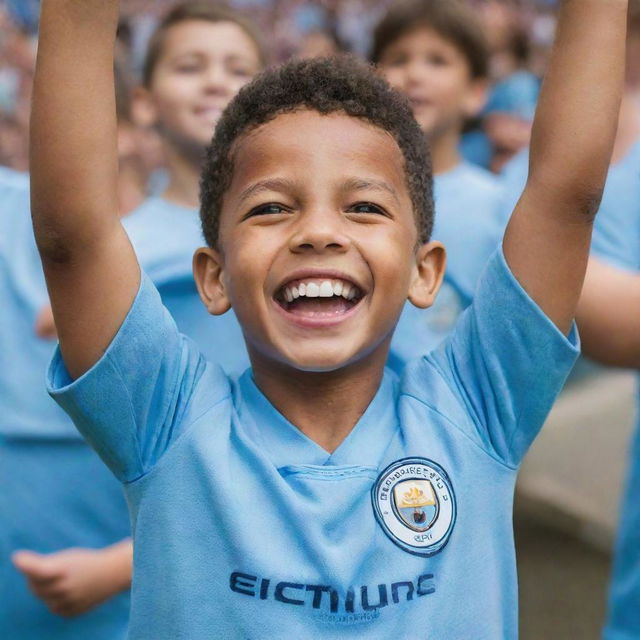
55,492
616,240
615,231
245,528
470,222
165,236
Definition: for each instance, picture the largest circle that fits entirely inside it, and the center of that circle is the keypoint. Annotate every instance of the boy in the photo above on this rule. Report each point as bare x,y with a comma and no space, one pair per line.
197,60
435,52
316,496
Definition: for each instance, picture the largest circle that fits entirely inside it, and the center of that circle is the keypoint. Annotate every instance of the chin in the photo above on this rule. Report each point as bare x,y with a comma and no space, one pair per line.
319,362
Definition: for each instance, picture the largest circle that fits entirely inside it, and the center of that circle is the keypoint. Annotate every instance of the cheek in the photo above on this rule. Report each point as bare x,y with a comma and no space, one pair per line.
396,77
178,93
392,260
249,260
235,83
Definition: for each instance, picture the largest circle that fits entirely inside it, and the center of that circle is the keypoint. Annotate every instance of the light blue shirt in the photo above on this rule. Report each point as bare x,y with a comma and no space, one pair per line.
616,240
470,222
245,528
165,236
54,491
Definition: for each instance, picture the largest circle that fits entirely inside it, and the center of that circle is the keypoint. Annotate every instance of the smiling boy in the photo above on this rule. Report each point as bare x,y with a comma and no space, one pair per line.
317,496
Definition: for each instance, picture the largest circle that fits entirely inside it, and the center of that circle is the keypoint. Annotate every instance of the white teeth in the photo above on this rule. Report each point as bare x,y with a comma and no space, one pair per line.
313,290
326,289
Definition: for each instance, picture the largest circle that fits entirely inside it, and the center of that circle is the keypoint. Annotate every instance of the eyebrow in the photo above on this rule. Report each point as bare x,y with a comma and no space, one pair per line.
273,184
350,184
361,184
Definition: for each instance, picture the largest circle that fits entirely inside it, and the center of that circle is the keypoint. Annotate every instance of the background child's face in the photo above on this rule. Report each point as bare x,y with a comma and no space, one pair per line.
435,76
201,68
317,201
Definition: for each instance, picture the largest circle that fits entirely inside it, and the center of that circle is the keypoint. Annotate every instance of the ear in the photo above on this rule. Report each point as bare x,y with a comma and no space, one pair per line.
143,108
476,98
431,260
208,272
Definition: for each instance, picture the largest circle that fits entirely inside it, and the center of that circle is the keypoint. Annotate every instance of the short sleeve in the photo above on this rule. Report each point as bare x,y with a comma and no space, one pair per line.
133,403
506,362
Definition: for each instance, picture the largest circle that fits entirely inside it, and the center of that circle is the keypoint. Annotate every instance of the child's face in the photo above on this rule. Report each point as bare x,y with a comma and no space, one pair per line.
317,203
435,75
201,68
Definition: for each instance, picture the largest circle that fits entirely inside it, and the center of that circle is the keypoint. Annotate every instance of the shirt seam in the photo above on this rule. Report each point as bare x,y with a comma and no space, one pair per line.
183,435
502,463
116,368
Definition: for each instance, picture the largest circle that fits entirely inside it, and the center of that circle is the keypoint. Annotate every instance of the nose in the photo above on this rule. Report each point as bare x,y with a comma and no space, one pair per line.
416,72
215,79
320,231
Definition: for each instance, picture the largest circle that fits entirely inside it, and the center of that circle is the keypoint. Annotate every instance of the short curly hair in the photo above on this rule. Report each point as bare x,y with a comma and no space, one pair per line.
327,85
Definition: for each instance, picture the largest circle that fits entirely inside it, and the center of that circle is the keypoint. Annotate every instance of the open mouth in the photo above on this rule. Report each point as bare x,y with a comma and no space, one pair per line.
319,298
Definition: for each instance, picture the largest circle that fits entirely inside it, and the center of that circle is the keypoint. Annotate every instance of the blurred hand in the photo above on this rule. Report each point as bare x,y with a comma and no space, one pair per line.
74,581
45,326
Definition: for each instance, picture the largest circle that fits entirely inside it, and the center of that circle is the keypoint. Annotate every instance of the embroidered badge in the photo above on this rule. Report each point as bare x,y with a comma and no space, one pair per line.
414,503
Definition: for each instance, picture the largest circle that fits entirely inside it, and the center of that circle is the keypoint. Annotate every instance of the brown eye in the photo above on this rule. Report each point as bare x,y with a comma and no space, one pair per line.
366,207
267,209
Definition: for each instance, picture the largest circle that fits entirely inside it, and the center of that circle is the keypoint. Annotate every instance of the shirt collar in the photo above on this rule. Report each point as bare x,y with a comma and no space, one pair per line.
286,445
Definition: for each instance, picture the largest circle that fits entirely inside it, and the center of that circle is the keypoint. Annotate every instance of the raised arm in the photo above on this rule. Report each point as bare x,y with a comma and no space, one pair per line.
91,269
547,240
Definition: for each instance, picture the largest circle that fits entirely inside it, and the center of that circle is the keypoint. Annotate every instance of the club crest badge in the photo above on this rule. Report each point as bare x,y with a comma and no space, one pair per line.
414,503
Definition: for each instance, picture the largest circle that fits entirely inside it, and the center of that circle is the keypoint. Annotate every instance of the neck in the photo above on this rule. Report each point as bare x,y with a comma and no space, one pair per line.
184,177
324,406
131,186
444,151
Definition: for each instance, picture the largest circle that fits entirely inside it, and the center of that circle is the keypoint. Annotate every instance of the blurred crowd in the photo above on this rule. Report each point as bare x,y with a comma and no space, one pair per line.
477,114
520,34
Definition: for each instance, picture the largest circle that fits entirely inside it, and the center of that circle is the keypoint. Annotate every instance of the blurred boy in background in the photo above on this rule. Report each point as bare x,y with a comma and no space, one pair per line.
197,60
435,52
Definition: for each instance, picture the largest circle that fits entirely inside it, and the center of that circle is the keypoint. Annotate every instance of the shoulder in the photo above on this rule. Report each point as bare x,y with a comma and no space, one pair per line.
469,187
480,178
148,209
